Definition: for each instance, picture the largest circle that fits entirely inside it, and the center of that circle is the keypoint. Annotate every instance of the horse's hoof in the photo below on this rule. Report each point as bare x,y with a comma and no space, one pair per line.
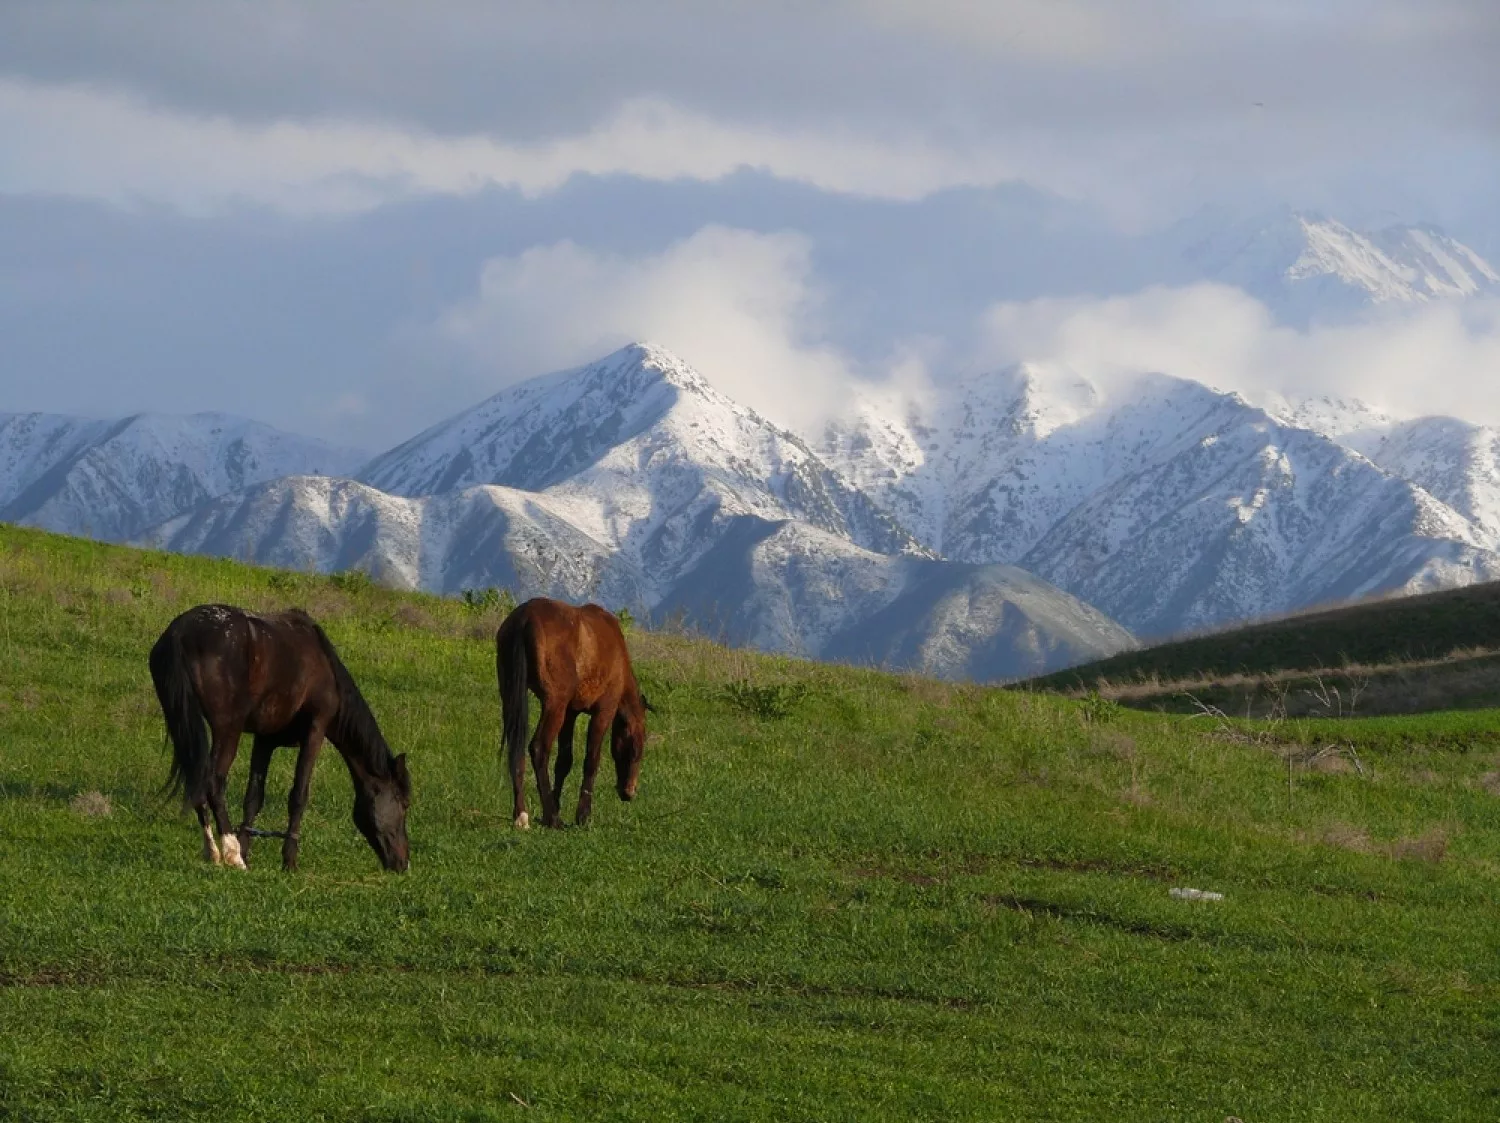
232,857
523,821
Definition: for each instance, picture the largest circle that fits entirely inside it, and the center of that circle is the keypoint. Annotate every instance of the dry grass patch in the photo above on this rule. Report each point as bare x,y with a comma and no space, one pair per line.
410,616
91,805
1429,846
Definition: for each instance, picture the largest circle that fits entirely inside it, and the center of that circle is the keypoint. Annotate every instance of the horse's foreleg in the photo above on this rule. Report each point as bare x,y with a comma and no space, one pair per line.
598,724
541,749
226,744
210,847
564,756
255,791
297,801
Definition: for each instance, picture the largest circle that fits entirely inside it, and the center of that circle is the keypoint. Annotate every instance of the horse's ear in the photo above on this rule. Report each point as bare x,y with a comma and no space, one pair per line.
403,777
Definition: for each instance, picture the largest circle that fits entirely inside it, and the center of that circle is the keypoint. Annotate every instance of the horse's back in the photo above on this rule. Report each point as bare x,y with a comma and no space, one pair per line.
570,648
265,668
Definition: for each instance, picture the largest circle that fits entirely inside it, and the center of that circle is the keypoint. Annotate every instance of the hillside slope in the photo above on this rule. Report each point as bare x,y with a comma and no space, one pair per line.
1428,626
839,895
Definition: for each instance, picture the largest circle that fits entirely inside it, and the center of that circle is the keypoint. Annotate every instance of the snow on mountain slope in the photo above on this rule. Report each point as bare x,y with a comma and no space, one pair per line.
1254,520
791,587
1306,267
780,586
32,444
112,479
475,538
1454,461
1434,264
648,457
1168,505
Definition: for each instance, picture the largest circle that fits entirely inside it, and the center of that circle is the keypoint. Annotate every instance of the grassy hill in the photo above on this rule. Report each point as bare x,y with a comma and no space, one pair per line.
1399,655
840,895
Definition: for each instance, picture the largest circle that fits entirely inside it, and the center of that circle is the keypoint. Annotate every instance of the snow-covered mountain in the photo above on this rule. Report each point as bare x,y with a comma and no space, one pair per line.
983,530
1170,506
789,586
1454,461
1306,267
780,586
645,455
474,538
113,479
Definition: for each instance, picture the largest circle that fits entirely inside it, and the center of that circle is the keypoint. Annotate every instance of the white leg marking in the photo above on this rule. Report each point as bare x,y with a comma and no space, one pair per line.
523,821
210,848
232,856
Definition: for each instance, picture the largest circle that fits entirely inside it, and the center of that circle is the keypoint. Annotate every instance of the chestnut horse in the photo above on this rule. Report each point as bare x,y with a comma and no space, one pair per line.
279,678
575,661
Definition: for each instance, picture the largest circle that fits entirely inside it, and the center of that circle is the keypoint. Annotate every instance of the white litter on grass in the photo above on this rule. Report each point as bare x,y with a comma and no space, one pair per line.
1197,895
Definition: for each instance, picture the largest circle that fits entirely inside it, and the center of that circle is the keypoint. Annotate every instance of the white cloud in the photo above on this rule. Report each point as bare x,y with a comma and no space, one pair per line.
740,307
85,142
1441,358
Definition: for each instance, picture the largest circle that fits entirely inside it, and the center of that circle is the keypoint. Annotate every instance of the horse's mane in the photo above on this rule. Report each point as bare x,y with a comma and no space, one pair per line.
354,727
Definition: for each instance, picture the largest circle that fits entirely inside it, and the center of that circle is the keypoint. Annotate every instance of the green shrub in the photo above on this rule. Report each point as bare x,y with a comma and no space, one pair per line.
355,582
1099,710
771,702
481,601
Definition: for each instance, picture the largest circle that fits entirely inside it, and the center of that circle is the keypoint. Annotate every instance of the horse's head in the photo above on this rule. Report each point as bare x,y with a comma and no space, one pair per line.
627,742
380,804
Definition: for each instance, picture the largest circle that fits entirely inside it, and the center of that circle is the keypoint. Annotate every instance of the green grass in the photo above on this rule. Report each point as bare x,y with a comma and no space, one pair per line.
881,897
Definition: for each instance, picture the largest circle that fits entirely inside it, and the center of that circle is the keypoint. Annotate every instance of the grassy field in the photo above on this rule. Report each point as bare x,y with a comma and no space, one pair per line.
840,896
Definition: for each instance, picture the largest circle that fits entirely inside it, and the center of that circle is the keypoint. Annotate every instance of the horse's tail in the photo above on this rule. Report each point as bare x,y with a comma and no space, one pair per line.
513,672
186,726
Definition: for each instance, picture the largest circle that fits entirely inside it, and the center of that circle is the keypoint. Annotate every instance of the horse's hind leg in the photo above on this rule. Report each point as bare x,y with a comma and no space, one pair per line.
226,744
255,791
210,847
518,788
541,748
564,756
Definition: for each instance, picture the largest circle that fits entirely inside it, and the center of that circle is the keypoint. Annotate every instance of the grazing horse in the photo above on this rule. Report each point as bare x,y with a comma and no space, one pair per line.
575,661
279,678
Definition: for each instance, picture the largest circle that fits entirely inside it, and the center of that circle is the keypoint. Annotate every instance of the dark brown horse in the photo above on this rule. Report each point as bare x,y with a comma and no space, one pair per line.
279,678
575,661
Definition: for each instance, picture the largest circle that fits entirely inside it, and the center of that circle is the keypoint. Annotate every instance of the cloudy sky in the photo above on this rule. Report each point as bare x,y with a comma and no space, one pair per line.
353,218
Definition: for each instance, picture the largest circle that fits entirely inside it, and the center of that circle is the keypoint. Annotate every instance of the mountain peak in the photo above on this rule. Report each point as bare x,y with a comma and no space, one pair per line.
1307,266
